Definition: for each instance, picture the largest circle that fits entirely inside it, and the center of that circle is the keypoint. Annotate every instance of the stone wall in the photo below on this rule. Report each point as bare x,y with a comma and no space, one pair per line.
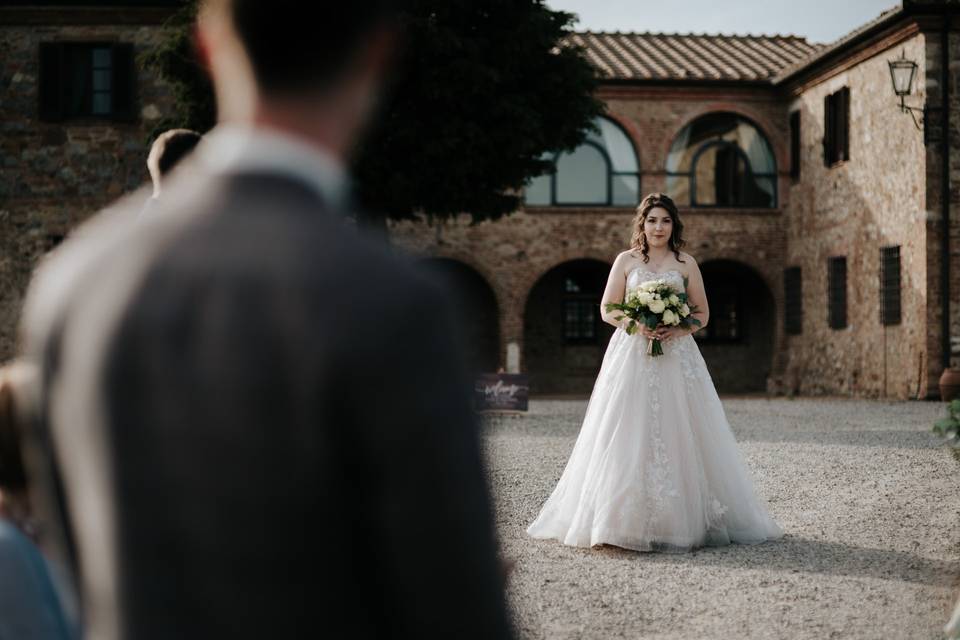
877,198
54,175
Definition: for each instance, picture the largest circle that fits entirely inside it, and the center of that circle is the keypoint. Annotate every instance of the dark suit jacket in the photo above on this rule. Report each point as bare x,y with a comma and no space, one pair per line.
262,424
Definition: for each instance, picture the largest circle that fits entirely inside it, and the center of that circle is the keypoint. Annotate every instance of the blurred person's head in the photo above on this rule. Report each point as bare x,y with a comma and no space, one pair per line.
274,64
167,150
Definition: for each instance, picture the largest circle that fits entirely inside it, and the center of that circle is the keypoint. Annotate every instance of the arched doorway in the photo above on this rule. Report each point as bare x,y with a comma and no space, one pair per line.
738,341
476,310
564,338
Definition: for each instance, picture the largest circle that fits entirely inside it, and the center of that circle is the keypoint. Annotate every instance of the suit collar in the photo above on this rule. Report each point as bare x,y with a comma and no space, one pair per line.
237,149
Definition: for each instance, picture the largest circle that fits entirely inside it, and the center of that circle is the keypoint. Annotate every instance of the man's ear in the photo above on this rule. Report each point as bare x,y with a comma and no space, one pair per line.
380,52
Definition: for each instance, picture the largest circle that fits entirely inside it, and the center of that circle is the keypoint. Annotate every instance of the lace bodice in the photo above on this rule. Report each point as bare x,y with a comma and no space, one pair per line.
640,274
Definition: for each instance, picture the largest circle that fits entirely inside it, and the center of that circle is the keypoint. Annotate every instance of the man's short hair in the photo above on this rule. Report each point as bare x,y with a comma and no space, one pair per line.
171,147
291,49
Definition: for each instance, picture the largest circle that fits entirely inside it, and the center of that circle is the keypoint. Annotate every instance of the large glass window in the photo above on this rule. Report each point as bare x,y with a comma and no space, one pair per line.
722,160
602,172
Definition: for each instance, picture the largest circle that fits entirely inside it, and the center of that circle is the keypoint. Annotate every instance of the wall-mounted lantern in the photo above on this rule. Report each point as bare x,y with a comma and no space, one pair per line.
902,72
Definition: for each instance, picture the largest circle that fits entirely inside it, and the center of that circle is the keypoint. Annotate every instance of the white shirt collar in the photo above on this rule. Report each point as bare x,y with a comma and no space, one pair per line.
231,148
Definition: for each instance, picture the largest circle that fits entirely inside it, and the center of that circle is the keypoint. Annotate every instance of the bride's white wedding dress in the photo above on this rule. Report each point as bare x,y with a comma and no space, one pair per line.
655,466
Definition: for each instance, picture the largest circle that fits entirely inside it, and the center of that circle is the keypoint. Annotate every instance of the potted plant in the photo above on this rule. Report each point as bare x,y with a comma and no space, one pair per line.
949,427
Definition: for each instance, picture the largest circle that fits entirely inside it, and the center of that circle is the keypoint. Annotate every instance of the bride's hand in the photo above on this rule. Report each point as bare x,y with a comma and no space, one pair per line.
650,334
666,334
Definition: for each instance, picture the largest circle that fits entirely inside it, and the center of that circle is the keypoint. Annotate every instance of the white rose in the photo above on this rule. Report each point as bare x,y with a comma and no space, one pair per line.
657,306
669,317
684,311
674,300
644,297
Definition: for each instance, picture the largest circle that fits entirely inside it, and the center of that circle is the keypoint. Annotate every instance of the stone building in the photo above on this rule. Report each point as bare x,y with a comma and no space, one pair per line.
811,201
813,204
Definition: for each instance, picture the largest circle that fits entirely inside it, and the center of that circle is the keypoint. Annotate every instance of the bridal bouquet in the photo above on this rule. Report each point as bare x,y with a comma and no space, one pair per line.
654,303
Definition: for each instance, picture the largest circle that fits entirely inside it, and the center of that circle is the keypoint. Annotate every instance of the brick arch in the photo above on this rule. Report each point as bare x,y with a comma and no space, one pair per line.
499,293
707,256
529,279
766,127
750,364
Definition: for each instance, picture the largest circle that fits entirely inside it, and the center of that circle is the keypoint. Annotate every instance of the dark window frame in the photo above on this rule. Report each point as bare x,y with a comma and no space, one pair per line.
608,163
611,175
837,292
53,83
725,144
708,335
585,301
691,173
836,127
793,300
890,286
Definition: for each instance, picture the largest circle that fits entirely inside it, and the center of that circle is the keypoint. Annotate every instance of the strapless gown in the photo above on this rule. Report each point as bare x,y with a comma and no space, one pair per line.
656,466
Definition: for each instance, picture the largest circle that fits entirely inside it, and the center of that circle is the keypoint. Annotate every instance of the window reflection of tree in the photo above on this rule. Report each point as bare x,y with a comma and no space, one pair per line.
723,160
601,172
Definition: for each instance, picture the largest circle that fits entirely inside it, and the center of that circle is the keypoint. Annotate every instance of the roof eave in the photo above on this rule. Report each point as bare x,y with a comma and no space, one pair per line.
686,82
839,48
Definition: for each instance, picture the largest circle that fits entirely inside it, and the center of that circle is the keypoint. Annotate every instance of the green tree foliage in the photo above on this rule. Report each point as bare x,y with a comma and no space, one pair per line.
176,61
483,89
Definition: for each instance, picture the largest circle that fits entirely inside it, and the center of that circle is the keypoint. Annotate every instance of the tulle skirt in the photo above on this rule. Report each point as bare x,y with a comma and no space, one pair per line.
656,466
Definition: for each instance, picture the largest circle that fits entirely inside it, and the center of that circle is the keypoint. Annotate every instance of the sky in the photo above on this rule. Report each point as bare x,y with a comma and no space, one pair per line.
816,20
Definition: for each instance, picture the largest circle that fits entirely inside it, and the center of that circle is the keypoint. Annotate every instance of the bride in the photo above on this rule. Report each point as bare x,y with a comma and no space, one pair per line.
655,467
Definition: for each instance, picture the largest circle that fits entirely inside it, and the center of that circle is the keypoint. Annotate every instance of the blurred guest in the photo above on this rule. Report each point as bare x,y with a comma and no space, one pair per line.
30,605
261,418
166,152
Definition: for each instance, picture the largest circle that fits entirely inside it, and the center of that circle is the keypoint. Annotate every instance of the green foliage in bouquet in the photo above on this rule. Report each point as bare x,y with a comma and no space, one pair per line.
949,427
652,304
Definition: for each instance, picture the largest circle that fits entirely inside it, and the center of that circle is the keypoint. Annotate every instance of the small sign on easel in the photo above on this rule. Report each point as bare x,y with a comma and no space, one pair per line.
501,392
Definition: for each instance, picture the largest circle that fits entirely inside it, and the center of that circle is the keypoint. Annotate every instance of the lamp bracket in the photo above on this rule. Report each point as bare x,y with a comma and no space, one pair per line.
905,108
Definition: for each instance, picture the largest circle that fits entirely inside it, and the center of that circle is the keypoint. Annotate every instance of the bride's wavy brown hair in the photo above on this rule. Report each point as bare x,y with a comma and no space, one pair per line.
639,239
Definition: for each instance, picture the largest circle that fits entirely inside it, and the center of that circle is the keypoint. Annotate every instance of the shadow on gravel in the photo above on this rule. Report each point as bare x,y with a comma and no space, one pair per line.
802,555
894,439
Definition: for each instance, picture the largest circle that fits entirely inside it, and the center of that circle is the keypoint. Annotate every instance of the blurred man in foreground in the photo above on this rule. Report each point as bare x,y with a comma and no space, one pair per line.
261,420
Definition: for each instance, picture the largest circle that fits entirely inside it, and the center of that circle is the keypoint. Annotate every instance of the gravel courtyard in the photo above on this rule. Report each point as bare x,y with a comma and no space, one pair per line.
867,496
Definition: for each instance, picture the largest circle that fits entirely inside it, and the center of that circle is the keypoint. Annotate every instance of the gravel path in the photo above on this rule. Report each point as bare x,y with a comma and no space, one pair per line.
867,496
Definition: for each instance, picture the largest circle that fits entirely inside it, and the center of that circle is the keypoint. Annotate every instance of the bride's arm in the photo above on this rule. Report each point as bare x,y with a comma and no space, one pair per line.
696,294
616,286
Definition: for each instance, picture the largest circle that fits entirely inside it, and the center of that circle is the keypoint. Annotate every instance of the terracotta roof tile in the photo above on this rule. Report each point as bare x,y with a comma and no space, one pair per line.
659,56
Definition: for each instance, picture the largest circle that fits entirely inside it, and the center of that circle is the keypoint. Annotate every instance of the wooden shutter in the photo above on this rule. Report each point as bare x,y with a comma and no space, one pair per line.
50,93
828,130
842,110
124,83
837,292
795,144
793,300
889,285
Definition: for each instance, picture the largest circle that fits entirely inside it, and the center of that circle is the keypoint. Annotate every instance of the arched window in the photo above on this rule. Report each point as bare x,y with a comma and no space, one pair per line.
722,160
601,172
